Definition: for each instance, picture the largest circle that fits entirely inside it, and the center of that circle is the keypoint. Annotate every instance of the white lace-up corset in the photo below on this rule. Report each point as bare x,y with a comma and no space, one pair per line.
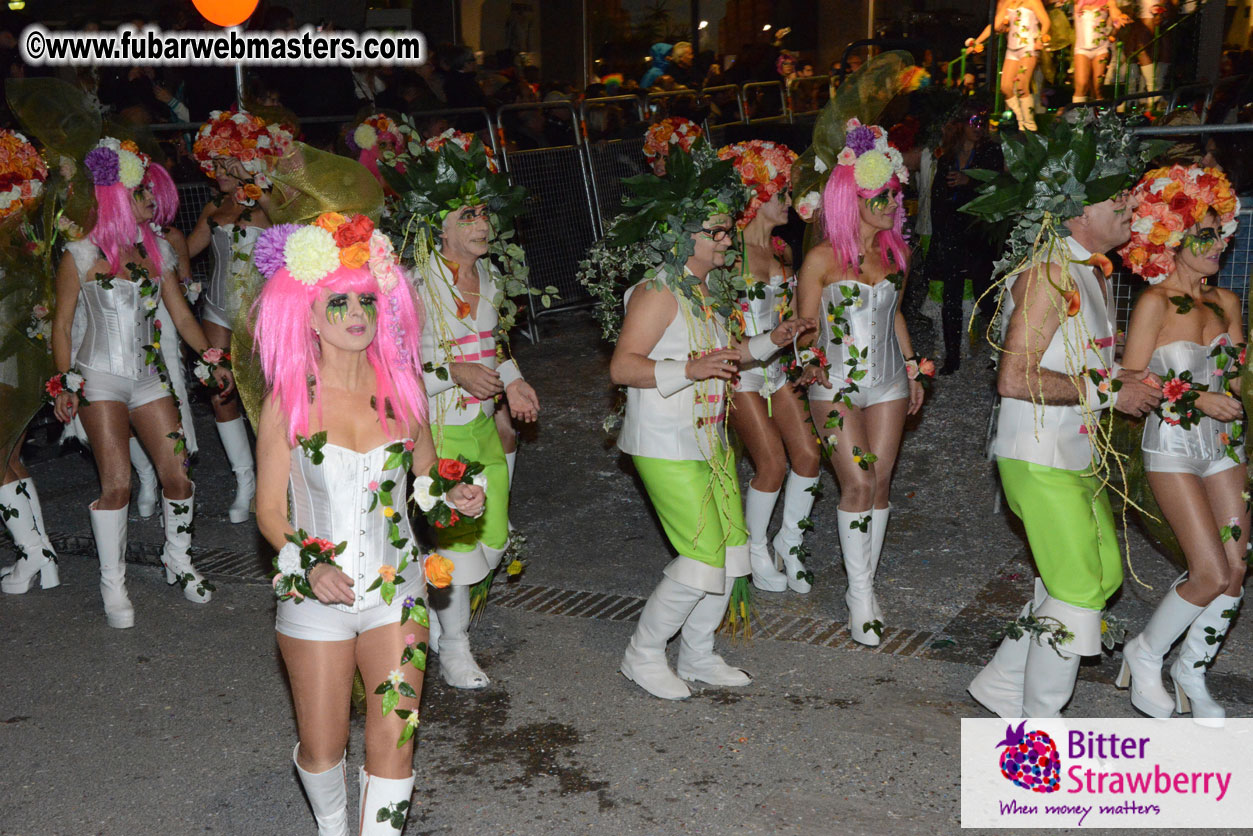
1200,441
871,322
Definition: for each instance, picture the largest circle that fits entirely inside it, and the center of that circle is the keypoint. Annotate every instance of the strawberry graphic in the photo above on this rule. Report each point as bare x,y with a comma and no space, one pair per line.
1030,759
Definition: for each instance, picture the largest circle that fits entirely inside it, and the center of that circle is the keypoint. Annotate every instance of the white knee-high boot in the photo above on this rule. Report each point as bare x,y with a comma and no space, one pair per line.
456,664
384,803
878,531
511,460
109,530
1142,656
328,796
146,499
758,509
855,545
19,506
697,659
1012,103
1050,674
998,687
644,661
798,501
234,435
178,515
1026,103
1205,639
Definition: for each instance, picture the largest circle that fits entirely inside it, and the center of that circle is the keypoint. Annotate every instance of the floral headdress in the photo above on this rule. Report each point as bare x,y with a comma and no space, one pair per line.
764,167
664,136
1168,202
244,137
874,161
653,239
311,253
22,174
376,131
115,161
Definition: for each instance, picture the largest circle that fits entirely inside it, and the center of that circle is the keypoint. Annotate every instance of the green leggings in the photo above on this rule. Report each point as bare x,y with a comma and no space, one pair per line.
1070,528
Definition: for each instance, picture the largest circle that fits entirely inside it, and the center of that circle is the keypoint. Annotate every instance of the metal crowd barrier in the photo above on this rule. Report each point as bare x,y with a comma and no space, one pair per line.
558,224
752,102
797,87
610,160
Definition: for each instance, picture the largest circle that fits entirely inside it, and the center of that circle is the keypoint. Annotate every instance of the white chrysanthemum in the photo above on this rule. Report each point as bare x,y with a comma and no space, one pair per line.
110,142
1229,228
130,171
311,254
365,136
872,171
808,205
820,165
422,493
263,140
289,560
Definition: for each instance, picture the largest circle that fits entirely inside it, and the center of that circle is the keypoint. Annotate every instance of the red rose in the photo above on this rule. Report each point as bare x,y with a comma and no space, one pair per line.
53,387
354,231
452,469
1181,204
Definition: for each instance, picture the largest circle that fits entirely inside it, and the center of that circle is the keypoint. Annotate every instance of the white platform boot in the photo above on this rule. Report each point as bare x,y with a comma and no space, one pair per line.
758,509
146,499
998,687
234,435
697,660
1026,104
384,803
19,506
855,542
644,661
1142,656
109,530
178,514
798,501
1204,640
878,532
1049,678
456,664
328,796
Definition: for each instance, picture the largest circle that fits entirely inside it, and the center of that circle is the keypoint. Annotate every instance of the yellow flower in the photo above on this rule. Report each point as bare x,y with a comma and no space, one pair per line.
856,459
872,171
389,512
156,346
311,254
130,170
514,568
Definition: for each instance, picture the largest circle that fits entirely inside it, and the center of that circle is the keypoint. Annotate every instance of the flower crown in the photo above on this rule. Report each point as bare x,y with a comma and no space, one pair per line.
465,142
764,167
377,130
661,137
1168,202
22,173
244,137
314,251
115,161
874,161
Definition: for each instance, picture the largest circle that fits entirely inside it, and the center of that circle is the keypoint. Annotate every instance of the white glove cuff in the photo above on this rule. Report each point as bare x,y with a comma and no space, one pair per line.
761,346
671,376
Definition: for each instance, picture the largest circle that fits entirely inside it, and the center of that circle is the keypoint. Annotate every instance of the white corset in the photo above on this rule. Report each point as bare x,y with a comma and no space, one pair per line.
871,318
117,329
332,500
678,427
1024,29
1093,28
761,315
1199,441
228,259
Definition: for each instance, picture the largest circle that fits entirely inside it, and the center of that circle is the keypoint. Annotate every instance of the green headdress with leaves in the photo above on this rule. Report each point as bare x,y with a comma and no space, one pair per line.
653,238
1050,176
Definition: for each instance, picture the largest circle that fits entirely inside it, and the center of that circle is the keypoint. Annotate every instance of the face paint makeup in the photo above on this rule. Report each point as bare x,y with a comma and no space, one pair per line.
879,202
337,308
1201,242
472,215
369,306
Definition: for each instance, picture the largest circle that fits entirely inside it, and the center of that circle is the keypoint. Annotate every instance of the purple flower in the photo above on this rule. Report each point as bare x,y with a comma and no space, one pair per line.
102,163
268,252
860,140
409,603
352,143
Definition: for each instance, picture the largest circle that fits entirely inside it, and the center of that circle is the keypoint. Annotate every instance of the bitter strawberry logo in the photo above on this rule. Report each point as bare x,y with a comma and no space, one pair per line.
1030,759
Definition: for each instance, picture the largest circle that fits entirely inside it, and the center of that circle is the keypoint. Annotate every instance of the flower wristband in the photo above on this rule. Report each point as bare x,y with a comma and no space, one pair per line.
69,381
210,360
916,367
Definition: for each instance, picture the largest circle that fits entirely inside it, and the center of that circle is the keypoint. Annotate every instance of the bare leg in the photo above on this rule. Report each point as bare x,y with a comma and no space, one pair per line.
1099,65
219,337
154,422
1185,502
1084,68
321,686
792,421
761,440
13,468
1224,491
857,483
378,654
1009,72
885,425
108,429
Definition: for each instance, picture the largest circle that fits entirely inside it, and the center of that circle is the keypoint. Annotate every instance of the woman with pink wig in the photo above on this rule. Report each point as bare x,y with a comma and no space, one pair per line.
769,416
865,383
343,425
121,273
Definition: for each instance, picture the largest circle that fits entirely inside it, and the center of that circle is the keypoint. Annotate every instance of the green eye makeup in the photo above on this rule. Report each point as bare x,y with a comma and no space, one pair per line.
369,306
1201,241
337,308
879,202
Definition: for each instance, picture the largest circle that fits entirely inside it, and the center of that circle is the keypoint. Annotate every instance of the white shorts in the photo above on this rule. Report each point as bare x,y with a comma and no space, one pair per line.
1021,53
210,312
312,620
1094,52
891,390
1165,463
102,386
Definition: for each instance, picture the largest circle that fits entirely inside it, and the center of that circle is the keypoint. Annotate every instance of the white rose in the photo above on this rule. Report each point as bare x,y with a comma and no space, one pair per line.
289,559
847,157
422,493
150,303
1143,226
73,381
1159,184
820,165
808,205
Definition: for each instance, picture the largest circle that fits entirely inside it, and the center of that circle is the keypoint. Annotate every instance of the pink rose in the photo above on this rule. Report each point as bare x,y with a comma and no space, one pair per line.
374,486
212,355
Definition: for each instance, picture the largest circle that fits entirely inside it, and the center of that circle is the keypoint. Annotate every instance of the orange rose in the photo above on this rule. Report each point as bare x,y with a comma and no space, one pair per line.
438,570
354,231
1172,189
1159,234
1137,255
330,221
355,255
387,572
252,191
128,145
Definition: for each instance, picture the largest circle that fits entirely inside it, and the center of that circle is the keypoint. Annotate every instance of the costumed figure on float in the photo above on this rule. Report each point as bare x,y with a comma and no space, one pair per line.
1190,335
1027,25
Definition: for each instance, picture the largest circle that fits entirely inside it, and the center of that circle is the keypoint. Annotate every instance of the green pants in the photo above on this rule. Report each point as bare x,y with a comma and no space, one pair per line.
478,442
1070,528
699,505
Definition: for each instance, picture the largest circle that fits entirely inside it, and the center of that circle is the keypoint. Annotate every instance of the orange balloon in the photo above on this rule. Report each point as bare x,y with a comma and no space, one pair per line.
226,12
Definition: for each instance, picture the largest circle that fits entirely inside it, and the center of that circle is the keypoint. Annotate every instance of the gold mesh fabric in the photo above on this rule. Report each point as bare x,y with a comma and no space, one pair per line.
310,182
25,362
245,362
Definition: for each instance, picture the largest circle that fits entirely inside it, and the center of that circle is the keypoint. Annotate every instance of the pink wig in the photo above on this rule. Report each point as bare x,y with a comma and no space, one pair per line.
116,228
164,193
842,222
290,351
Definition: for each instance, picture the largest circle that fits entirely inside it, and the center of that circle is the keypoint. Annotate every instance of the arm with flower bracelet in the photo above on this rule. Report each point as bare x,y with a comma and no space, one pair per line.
212,363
